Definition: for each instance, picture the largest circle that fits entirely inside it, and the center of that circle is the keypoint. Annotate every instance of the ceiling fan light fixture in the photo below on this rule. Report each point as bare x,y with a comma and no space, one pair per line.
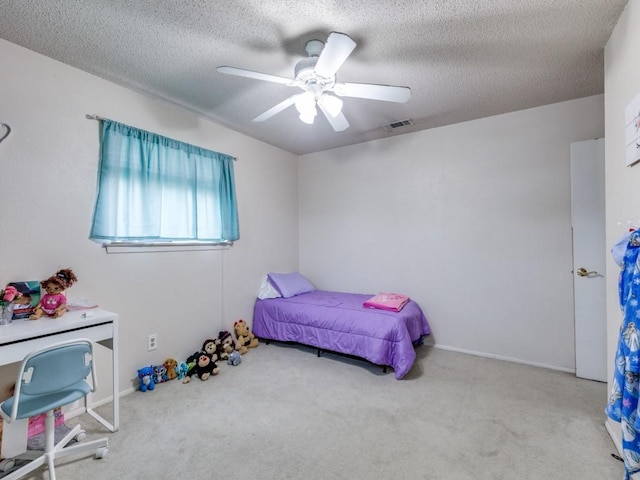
308,118
306,104
332,104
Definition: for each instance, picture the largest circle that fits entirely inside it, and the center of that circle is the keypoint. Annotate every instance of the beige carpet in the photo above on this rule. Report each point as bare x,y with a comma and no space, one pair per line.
286,414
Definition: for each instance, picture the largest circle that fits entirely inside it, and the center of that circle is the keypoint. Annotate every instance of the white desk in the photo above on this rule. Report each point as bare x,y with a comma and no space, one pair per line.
22,337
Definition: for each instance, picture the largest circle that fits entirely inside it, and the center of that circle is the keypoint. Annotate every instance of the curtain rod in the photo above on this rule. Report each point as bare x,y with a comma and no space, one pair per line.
101,119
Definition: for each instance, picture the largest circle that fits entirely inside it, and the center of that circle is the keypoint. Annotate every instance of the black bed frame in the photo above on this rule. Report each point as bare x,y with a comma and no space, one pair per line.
320,351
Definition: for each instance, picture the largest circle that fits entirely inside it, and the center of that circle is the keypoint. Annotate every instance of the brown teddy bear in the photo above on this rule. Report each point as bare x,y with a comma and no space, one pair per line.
170,364
244,337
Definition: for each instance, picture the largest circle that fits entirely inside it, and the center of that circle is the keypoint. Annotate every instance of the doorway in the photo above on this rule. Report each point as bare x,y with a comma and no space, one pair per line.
589,257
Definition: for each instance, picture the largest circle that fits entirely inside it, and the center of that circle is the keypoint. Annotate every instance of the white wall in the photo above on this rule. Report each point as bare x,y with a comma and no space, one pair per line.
48,171
622,84
471,220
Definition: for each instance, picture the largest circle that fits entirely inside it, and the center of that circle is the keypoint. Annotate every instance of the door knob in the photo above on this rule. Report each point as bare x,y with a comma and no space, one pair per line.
582,272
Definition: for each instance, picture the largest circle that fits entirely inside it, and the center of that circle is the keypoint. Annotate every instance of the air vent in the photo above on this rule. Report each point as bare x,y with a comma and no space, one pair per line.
399,124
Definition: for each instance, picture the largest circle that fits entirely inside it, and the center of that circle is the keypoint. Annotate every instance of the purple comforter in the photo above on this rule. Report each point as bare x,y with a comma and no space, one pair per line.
338,322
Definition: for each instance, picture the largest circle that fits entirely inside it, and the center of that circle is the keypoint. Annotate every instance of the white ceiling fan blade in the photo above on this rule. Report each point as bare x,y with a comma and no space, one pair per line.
241,72
336,50
277,109
339,122
386,93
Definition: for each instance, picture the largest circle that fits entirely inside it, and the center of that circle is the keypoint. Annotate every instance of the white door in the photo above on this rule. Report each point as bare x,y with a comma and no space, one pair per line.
589,257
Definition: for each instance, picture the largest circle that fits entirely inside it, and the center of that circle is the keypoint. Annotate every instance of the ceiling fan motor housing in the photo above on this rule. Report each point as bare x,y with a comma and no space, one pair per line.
309,80
304,69
314,47
305,73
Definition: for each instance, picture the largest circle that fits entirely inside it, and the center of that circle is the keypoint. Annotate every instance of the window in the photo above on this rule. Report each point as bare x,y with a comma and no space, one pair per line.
152,189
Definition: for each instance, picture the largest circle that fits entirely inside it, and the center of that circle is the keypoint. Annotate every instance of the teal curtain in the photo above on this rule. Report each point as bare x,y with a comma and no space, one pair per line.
154,188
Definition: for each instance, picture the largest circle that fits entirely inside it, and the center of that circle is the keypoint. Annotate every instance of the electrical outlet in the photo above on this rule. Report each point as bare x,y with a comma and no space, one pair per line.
152,342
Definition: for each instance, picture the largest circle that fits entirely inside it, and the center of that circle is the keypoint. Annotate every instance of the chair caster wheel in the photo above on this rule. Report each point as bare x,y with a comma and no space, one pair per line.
81,435
7,464
102,452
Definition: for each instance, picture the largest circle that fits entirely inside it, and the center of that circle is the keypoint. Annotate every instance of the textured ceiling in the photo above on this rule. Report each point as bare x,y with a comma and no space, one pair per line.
462,59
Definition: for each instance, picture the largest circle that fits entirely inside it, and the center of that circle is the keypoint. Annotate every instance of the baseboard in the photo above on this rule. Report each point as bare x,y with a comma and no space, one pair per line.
615,432
501,357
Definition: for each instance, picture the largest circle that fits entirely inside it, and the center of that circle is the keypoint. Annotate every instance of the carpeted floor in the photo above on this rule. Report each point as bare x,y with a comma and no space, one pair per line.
284,414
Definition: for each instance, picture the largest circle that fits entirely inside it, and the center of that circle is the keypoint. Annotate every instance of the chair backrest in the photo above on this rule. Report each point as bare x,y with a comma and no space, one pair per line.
56,367
57,372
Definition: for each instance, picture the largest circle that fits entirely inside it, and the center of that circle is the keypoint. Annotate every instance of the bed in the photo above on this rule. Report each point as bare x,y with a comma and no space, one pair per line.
338,322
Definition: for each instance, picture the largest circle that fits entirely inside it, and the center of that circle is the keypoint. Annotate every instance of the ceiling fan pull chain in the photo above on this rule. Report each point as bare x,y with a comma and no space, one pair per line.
6,134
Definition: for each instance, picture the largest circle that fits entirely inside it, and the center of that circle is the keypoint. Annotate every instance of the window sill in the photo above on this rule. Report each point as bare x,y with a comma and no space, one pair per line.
133,247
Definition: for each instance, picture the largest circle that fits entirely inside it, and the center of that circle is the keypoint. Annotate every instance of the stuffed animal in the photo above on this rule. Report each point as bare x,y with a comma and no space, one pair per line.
145,374
234,358
210,346
171,365
54,303
245,338
182,370
214,348
204,367
160,374
226,344
221,352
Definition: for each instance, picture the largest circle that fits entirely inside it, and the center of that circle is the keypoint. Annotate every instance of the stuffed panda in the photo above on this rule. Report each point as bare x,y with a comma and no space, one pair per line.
203,367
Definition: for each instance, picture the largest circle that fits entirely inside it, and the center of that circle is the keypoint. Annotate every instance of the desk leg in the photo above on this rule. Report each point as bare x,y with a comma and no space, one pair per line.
113,346
116,378
14,438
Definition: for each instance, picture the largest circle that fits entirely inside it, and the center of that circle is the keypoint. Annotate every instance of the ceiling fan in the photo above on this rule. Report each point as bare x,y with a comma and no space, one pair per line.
316,76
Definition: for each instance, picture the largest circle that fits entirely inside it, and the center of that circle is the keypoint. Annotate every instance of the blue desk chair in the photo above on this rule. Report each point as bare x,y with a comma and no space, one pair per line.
49,378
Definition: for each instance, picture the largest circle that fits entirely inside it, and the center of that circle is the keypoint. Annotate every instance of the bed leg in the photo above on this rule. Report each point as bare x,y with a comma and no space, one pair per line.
384,369
318,353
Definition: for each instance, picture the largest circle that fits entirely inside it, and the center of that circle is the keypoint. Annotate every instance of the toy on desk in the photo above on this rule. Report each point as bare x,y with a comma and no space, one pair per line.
9,294
145,374
54,303
8,298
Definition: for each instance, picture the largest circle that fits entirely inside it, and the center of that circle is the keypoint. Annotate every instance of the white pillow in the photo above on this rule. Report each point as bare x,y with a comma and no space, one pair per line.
267,290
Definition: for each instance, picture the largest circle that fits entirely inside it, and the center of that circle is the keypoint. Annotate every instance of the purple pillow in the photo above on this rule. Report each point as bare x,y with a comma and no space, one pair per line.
290,284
